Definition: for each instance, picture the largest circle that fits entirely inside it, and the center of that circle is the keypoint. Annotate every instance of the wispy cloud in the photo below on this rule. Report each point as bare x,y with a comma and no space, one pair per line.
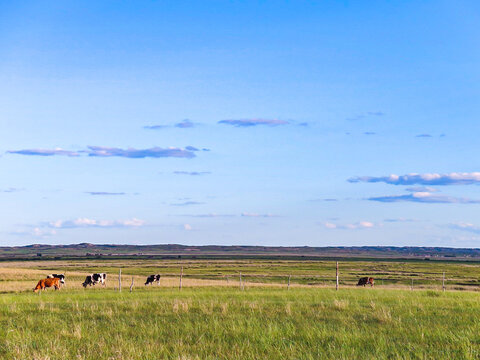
465,227
192,173
11,190
36,232
246,214
211,215
422,179
326,199
422,189
423,136
425,197
187,203
44,152
86,222
353,226
185,124
106,193
155,127
253,122
365,115
187,227
375,113
156,152
103,151
369,133
394,220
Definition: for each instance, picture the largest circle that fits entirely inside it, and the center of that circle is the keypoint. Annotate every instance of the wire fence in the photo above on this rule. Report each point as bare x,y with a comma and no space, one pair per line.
437,281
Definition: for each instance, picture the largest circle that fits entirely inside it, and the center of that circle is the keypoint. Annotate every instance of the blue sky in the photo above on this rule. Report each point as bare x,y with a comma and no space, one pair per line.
240,122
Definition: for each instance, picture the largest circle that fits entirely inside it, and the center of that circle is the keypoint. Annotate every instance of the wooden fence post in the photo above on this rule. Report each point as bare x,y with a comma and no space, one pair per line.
120,280
180,284
443,281
131,285
241,286
288,285
336,285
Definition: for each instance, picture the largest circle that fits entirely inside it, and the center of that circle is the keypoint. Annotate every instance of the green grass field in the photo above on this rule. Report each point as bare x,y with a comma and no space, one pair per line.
211,318
226,323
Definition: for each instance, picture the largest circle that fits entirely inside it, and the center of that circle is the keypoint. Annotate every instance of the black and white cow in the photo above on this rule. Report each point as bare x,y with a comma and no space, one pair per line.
94,279
152,278
61,277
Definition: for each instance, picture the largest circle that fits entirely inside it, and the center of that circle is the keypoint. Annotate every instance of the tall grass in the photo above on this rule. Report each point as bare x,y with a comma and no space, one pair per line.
226,323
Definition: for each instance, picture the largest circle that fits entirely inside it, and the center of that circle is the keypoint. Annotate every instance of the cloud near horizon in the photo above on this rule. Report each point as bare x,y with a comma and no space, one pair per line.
424,197
422,179
11,190
253,122
86,222
246,214
187,203
358,225
211,215
465,227
106,193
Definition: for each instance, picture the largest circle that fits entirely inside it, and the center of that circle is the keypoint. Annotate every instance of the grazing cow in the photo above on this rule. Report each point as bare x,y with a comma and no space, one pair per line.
365,281
48,282
152,278
94,279
60,277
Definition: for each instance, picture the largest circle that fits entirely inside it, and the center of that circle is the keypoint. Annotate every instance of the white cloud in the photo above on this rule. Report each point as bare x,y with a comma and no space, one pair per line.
246,214
254,122
352,226
422,179
424,197
44,152
86,222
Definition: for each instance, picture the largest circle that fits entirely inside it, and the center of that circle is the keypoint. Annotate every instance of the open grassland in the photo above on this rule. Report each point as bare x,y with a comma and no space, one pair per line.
226,323
22,276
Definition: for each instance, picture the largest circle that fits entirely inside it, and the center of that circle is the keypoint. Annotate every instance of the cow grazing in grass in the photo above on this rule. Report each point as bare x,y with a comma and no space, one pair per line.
48,282
60,277
153,278
365,281
94,279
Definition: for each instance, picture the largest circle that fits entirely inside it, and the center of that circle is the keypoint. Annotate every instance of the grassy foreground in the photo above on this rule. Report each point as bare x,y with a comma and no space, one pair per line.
226,323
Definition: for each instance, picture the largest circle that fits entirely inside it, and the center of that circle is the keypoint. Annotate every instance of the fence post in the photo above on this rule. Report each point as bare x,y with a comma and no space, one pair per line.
288,285
180,284
336,285
120,280
131,285
241,287
443,281
159,278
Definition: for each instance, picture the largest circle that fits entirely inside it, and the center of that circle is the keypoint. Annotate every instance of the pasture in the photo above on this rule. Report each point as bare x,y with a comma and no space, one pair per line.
211,318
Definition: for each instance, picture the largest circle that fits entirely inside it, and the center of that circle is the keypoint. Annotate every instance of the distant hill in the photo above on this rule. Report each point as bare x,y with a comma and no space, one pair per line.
87,250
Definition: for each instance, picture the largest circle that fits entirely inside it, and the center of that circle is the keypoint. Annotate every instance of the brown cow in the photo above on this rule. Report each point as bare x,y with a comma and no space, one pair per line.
365,281
48,282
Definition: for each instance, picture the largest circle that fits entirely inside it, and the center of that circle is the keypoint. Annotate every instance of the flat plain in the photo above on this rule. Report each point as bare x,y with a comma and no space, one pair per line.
214,317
